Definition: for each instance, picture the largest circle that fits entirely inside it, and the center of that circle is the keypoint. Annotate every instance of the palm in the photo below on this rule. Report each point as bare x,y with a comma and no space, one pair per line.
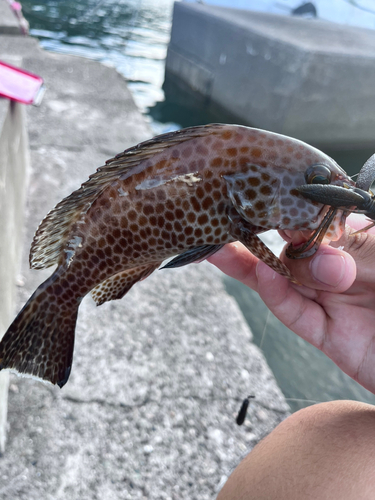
340,322
342,326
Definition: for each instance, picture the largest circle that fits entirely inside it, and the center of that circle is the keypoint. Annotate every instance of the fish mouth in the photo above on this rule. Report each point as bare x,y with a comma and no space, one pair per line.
310,246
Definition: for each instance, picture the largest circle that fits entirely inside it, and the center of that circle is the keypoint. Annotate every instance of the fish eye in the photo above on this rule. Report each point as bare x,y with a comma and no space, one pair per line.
318,174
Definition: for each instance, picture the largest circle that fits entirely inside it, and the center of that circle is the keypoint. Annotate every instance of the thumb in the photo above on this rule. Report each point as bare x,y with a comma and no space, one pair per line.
329,269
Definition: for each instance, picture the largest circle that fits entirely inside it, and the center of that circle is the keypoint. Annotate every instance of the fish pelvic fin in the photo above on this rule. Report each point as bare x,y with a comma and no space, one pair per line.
40,341
245,233
118,285
192,255
53,233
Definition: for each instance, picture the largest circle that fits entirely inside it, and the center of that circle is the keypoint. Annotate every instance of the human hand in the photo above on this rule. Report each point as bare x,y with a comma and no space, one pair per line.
334,309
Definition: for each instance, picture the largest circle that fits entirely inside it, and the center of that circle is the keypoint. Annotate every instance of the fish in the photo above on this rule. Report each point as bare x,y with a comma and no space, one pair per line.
184,195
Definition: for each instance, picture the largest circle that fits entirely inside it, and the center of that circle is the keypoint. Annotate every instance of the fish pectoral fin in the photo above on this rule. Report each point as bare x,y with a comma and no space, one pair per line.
244,232
192,255
119,284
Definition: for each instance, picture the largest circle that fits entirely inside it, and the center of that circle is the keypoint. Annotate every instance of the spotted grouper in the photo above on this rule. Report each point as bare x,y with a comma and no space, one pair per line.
185,193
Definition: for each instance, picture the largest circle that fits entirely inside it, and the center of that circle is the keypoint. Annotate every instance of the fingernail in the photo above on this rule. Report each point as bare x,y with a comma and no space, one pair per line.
328,269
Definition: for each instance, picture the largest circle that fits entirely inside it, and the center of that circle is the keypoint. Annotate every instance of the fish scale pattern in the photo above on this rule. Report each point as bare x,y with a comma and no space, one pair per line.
180,193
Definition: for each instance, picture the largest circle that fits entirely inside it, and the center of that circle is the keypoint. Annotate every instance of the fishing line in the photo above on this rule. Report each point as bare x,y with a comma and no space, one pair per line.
292,400
265,328
312,401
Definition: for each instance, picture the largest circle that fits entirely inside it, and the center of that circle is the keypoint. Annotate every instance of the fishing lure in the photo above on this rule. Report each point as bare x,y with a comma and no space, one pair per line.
243,410
357,199
185,193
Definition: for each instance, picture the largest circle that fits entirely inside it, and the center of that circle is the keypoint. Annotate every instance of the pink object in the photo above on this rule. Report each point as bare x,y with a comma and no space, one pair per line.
16,6
20,85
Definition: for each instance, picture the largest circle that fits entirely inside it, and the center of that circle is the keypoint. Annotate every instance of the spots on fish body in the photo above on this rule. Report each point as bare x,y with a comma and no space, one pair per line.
184,193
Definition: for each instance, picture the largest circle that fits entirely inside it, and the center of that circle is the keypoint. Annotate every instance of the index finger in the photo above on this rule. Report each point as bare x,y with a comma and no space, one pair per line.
235,260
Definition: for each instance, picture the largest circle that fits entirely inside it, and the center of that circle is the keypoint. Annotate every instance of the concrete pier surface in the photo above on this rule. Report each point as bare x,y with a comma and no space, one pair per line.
9,24
306,78
158,377
14,168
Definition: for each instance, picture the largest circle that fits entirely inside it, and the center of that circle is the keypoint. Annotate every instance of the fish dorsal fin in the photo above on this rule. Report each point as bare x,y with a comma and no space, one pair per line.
118,285
52,235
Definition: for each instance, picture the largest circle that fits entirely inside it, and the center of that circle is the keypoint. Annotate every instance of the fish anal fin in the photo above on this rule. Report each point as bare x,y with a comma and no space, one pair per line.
192,255
246,234
119,284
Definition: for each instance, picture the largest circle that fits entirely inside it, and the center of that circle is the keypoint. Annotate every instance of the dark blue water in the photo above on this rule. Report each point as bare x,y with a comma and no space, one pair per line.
132,36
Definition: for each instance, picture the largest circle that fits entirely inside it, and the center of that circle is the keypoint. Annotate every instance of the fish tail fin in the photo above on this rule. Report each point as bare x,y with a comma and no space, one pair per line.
39,343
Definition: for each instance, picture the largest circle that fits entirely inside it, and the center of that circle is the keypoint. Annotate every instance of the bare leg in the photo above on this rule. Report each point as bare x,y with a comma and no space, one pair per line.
325,451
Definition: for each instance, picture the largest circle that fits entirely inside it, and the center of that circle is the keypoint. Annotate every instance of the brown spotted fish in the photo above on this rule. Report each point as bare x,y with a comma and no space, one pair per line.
185,193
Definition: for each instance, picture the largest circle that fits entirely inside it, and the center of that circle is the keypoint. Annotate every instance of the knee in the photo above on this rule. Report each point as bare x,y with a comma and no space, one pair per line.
344,425
333,446
323,451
